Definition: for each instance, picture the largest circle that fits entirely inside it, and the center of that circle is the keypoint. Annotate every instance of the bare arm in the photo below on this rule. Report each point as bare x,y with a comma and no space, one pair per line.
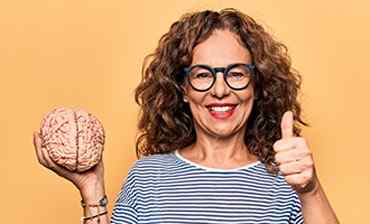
91,194
90,183
316,207
296,164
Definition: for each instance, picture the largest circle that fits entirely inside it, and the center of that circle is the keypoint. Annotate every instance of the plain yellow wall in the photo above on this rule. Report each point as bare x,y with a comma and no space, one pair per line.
89,53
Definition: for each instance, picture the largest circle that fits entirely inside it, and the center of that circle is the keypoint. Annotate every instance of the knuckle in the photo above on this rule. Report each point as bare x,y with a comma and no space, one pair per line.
276,144
309,163
305,154
291,180
277,156
306,176
282,169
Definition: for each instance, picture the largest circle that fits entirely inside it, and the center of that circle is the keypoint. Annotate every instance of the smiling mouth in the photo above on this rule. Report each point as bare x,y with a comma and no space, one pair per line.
222,111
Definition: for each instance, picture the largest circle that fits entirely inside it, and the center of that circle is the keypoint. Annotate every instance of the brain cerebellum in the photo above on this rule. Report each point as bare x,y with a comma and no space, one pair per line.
74,139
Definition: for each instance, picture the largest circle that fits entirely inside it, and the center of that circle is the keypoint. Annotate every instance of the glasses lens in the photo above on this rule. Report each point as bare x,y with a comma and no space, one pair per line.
200,78
238,77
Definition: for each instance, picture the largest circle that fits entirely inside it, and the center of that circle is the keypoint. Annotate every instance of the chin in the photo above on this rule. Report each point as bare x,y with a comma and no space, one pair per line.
221,128
224,131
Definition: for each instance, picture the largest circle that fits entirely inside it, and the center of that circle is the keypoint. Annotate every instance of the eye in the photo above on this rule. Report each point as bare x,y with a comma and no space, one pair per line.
236,75
202,75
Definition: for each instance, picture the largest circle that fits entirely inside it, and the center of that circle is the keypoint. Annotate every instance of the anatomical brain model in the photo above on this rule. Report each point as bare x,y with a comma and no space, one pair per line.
74,139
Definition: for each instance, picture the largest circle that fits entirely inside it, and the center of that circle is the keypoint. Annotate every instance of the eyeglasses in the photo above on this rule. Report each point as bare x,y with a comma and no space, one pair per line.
202,77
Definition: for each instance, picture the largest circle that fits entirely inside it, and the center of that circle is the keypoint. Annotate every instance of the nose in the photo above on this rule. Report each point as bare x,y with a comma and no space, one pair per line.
220,89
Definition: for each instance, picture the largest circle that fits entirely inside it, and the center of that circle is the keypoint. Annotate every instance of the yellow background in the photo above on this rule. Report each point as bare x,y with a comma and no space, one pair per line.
89,54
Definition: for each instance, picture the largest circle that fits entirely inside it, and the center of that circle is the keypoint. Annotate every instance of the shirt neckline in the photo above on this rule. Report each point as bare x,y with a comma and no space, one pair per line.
180,157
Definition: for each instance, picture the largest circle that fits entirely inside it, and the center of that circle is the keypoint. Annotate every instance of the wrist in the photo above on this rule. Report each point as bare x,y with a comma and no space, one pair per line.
92,211
92,206
92,193
313,192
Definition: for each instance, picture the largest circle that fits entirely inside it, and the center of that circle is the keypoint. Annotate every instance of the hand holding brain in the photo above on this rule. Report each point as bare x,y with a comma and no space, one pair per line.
73,139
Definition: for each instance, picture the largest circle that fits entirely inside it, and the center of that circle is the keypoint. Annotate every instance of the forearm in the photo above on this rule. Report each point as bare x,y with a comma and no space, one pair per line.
316,207
91,195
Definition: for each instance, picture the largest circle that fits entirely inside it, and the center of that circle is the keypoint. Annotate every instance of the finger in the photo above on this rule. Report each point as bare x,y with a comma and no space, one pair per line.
289,143
51,164
297,166
42,152
287,125
58,169
290,168
290,155
37,146
47,159
36,140
299,180
38,154
284,144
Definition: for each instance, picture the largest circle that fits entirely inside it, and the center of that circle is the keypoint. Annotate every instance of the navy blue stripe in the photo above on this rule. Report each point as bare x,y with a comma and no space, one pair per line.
166,188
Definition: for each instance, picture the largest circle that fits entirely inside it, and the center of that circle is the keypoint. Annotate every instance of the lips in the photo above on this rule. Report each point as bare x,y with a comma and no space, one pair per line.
221,111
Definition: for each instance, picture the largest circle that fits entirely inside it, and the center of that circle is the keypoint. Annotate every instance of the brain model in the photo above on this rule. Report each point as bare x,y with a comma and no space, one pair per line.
74,139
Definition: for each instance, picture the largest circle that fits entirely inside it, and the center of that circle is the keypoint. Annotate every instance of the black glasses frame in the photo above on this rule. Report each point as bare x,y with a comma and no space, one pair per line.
224,70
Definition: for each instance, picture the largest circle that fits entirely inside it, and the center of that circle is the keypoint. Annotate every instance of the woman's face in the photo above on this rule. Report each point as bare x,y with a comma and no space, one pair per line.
220,111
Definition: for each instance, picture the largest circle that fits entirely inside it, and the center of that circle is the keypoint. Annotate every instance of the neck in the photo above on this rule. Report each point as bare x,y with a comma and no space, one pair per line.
226,152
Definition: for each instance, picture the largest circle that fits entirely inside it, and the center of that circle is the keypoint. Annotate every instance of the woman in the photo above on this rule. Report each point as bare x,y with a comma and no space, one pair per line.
218,140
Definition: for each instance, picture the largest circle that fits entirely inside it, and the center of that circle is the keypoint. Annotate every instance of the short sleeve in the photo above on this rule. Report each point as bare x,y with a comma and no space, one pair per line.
296,214
124,210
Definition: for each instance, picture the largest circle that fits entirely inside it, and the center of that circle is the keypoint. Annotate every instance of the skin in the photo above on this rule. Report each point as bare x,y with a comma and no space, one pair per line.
297,166
220,143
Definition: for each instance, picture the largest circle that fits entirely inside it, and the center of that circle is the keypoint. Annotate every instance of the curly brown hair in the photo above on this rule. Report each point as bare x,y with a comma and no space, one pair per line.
166,122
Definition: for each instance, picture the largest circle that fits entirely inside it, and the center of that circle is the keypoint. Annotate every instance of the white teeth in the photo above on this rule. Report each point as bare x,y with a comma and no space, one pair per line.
221,109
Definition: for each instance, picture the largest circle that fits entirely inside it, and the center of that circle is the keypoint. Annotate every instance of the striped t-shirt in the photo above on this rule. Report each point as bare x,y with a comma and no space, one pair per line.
167,188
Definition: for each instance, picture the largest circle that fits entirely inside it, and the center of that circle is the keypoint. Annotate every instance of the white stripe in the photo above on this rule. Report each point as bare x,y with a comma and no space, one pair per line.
167,188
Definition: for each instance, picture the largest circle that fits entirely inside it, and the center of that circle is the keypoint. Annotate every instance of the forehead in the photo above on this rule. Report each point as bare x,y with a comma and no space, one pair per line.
221,48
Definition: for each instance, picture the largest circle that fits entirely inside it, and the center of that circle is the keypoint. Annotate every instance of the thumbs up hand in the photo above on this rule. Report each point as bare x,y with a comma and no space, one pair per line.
294,158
